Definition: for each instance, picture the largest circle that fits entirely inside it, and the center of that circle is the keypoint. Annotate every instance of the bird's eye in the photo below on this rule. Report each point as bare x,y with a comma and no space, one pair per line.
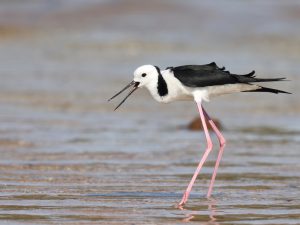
143,75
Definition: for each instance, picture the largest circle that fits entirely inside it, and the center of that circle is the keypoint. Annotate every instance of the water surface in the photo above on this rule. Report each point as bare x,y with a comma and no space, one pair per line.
67,158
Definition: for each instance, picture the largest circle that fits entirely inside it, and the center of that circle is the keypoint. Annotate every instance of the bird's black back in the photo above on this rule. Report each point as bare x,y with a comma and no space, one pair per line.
211,75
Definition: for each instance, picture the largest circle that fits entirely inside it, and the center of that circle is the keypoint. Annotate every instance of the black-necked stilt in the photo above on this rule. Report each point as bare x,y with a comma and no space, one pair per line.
198,83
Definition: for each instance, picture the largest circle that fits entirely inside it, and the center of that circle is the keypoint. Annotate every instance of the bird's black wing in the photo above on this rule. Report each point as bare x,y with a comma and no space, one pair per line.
204,75
211,75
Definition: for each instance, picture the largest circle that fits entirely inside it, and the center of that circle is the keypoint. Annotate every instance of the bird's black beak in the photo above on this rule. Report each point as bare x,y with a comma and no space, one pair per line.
133,84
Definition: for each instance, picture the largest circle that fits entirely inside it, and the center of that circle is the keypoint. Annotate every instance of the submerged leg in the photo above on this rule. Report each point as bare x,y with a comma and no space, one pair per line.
222,142
204,157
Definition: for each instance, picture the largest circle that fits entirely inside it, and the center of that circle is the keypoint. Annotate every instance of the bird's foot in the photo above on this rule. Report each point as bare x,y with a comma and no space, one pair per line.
183,200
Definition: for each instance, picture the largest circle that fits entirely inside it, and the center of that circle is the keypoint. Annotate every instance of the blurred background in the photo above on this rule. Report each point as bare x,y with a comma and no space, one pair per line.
67,157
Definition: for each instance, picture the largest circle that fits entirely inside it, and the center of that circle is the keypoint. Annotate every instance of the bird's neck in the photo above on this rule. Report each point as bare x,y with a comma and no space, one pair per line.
153,88
166,88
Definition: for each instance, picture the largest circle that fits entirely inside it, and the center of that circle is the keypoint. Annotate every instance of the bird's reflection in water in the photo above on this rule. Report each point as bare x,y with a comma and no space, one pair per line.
212,208
208,216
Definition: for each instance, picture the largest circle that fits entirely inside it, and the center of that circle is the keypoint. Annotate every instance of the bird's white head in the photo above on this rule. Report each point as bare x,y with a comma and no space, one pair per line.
145,75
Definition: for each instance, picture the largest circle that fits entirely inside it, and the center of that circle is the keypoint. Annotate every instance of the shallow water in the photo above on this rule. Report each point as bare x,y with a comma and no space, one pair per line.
67,158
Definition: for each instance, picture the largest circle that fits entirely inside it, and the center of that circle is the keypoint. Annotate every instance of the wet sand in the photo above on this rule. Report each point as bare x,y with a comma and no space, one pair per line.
67,158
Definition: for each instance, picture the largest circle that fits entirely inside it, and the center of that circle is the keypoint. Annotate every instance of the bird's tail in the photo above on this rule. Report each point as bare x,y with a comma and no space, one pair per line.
250,77
267,79
265,89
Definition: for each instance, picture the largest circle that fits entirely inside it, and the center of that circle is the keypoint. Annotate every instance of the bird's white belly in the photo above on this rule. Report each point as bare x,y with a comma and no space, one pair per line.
181,96
229,88
207,93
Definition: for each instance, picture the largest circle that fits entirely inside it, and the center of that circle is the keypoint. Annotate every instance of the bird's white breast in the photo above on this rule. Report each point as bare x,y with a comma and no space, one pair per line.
206,93
176,91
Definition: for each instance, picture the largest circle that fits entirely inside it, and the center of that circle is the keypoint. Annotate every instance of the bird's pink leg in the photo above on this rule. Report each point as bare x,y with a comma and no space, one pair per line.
222,146
204,157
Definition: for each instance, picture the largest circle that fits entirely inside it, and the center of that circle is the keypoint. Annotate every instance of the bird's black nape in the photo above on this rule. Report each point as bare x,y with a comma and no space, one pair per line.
162,87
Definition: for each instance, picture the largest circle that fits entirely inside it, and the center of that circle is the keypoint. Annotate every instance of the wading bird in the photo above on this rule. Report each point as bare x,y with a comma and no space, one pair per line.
198,83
